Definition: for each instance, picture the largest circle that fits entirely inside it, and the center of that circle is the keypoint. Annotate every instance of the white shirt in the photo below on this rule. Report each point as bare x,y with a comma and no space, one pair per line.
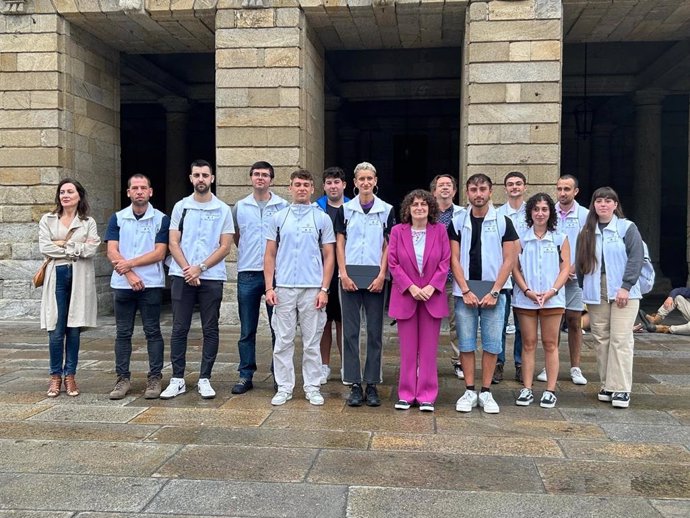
540,262
299,230
203,225
253,225
517,216
365,232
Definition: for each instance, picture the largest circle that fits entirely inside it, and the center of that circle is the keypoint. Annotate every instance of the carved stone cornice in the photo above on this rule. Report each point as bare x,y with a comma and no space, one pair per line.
11,7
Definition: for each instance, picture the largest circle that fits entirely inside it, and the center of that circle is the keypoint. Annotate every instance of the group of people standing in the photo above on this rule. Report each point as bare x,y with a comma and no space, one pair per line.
323,264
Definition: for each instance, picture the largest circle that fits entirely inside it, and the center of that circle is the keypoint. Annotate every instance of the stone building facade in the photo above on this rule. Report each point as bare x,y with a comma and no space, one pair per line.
483,84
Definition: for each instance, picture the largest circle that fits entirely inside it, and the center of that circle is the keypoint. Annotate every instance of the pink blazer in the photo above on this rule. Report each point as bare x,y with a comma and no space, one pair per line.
402,263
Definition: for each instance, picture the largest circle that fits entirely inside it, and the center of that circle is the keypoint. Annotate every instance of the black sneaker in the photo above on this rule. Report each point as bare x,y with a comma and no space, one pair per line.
457,368
356,397
498,374
605,396
372,396
525,398
518,373
242,386
620,400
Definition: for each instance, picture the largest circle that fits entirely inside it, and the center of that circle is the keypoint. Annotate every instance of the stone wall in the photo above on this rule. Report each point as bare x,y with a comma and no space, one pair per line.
54,122
512,90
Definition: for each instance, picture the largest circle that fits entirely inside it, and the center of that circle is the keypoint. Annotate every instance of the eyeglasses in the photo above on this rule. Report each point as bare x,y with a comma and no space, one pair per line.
257,174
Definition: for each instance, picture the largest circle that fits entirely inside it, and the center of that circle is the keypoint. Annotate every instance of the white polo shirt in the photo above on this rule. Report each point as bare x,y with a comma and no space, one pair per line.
204,223
302,229
253,225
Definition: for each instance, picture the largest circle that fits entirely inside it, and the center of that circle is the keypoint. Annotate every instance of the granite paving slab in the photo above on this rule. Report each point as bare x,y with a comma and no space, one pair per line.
83,457
256,499
370,421
88,413
608,414
651,480
683,416
75,431
426,470
625,451
648,433
467,445
239,463
672,508
201,417
23,398
11,412
35,514
524,427
77,492
262,437
379,502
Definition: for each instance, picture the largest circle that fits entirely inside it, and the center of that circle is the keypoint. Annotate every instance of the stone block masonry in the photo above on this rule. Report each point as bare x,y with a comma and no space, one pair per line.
512,91
59,117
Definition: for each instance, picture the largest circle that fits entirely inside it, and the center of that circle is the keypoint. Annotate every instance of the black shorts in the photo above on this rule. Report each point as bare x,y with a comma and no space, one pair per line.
333,311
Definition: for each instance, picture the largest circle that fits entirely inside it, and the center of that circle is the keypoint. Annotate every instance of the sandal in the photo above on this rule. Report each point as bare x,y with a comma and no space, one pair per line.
71,386
54,387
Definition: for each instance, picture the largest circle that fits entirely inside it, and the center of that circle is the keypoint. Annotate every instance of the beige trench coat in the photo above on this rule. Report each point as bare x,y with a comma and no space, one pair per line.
81,248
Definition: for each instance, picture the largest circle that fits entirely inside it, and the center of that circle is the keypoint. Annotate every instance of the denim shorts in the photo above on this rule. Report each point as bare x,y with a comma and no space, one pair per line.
489,320
573,296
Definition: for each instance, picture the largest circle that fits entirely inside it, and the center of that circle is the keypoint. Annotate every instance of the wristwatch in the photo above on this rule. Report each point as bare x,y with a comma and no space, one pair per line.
495,294
203,267
326,291
555,291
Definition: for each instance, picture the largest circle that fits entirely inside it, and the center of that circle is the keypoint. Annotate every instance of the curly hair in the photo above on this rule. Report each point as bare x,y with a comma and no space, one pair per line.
423,195
532,202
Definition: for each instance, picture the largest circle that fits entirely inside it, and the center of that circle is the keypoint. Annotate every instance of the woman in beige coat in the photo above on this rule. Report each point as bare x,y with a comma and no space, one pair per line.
69,237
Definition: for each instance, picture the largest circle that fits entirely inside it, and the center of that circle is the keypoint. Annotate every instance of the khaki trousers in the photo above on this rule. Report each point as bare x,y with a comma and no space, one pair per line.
612,330
683,305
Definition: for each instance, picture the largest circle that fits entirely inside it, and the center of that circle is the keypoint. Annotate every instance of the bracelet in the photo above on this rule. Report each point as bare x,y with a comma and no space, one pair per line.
466,292
525,291
269,289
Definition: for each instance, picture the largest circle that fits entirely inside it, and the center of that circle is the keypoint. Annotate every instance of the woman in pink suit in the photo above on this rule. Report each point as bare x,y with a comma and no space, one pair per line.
418,258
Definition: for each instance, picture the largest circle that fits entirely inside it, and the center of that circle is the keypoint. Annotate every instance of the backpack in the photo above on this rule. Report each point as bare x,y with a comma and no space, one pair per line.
647,275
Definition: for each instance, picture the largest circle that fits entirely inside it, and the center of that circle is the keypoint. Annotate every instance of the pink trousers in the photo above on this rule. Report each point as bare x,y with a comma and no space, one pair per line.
418,349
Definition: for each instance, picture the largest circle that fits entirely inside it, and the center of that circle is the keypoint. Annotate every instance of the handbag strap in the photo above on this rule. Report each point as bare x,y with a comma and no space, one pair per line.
70,233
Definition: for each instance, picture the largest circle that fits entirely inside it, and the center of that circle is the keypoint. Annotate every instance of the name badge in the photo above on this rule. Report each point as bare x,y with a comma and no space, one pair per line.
306,230
374,222
490,226
550,249
210,217
572,223
144,229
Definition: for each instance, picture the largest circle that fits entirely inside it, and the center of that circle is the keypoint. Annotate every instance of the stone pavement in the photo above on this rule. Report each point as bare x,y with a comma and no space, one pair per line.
239,456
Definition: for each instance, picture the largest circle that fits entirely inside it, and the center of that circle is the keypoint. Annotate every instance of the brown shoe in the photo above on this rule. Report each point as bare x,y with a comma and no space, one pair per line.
54,387
655,318
153,387
498,374
662,329
71,386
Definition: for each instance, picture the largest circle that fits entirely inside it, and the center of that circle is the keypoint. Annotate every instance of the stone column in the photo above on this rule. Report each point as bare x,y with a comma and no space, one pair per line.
176,160
647,172
269,101
512,90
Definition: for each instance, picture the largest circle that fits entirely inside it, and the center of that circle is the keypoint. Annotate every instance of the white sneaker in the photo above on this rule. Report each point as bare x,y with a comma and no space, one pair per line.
577,377
205,389
314,397
542,375
175,388
467,401
510,329
325,373
486,401
281,398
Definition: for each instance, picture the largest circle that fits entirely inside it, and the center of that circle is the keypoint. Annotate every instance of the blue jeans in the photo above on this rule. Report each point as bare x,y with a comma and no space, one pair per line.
148,302
250,288
489,320
517,346
184,297
63,341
